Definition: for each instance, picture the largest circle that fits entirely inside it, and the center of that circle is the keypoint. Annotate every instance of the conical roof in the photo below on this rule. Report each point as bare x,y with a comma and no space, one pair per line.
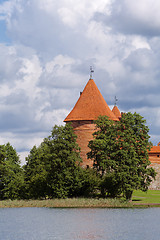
90,105
116,112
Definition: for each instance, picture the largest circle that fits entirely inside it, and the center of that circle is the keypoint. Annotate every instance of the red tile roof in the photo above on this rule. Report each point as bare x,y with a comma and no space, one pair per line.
116,112
155,149
90,105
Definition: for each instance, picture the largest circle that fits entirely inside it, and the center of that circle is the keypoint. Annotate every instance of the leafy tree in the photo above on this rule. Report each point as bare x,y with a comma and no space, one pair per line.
11,173
52,169
88,183
120,154
64,158
36,173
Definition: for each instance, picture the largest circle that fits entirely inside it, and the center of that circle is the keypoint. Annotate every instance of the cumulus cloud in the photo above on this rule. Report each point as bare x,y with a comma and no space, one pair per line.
45,63
133,17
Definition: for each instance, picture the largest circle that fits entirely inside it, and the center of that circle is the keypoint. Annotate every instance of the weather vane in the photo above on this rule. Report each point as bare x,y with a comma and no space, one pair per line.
91,71
116,100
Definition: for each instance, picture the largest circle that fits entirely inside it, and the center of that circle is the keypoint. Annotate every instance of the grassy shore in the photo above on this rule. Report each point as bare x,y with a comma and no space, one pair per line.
66,203
140,199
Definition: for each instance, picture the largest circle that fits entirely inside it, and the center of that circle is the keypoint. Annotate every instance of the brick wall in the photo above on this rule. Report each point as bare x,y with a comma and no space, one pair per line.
84,131
154,158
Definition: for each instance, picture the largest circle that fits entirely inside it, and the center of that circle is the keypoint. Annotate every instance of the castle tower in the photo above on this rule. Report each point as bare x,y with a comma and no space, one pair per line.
89,106
116,112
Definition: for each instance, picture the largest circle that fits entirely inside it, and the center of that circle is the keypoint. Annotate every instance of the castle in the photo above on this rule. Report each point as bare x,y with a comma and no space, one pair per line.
89,106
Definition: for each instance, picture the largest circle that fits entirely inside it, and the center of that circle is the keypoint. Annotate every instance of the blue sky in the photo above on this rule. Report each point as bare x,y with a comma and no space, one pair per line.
47,48
3,33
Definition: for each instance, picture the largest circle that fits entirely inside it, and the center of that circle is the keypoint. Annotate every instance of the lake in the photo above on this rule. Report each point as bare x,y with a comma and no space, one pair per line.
79,224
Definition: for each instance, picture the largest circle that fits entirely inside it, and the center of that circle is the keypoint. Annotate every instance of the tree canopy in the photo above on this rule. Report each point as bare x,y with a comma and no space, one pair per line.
119,150
120,153
11,173
52,170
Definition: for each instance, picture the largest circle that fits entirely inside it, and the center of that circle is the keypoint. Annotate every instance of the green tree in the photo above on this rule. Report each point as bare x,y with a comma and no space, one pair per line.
36,173
11,173
89,183
52,169
64,159
120,154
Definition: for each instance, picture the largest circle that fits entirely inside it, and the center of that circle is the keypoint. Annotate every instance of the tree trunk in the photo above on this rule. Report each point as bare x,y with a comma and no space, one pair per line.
129,195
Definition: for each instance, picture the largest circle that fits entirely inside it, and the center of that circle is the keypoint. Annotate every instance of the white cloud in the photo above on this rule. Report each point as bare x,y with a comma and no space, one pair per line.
140,42
52,45
28,77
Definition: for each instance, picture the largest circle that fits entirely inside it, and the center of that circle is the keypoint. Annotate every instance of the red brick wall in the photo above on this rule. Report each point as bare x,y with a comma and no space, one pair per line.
84,131
154,157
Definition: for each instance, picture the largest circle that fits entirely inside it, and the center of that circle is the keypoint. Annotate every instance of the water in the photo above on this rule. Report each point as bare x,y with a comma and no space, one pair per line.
79,224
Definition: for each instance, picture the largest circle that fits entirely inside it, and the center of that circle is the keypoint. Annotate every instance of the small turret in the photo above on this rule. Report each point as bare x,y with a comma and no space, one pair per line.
116,112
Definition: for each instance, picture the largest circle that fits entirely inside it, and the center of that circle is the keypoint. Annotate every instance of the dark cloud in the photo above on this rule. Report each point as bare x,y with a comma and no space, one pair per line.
140,60
83,68
16,98
136,17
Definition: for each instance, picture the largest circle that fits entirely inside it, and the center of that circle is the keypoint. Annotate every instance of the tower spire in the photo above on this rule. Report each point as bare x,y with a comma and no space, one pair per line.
116,100
91,71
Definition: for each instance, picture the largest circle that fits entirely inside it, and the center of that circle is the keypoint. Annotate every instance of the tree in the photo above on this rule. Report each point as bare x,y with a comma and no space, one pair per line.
36,173
11,173
120,154
64,158
52,169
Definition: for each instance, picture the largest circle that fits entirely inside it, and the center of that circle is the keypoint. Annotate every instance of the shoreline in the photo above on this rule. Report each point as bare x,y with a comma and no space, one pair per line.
74,203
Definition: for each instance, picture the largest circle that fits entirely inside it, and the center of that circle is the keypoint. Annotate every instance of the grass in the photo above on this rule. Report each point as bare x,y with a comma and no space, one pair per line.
140,199
151,197
66,203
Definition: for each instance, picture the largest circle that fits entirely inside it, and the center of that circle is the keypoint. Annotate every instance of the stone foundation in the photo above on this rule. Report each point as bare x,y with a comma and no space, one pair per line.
155,185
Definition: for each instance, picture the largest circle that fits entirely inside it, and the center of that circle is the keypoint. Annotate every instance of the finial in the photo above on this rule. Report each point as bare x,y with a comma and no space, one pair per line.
91,71
116,100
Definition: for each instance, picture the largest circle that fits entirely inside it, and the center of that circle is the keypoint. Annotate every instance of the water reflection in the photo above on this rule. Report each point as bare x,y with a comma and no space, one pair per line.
79,224
86,227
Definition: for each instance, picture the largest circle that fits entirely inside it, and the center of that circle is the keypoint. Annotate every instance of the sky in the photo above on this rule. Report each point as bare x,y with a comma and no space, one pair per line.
47,48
